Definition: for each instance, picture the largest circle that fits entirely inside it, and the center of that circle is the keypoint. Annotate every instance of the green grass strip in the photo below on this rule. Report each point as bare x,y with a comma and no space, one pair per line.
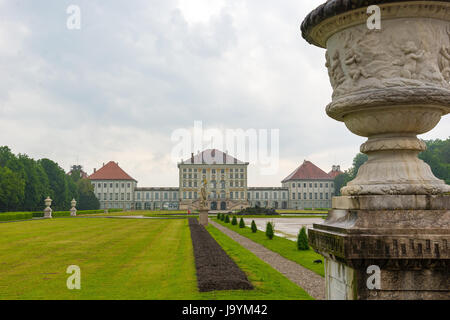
284,247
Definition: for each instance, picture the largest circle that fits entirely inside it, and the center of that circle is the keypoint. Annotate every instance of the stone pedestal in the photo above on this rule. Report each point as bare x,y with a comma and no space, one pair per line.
409,246
48,212
390,84
203,217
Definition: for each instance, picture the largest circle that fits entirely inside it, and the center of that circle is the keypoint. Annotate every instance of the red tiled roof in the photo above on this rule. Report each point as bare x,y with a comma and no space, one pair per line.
334,174
110,171
308,171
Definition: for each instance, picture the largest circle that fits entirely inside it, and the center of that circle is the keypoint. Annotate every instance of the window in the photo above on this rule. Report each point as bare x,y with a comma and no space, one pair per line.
326,195
257,195
293,185
242,176
299,196
104,185
184,194
242,195
190,194
195,183
214,171
304,185
190,183
236,195
117,186
123,185
231,183
195,176
190,169
105,197
275,195
175,195
166,195
99,185
117,196
147,196
184,175
190,175
242,169
298,185
304,195
184,170
222,171
110,196
320,185
111,185
99,195
293,195
122,196
266,195
310,185
310,196
284,195
231,195
248,195
204,171
195,195
184,183
315,195
326,185
315,185
321,196
128,196
157,196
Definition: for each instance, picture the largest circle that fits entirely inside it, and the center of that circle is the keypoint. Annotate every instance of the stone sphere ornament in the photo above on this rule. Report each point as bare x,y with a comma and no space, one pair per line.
389,85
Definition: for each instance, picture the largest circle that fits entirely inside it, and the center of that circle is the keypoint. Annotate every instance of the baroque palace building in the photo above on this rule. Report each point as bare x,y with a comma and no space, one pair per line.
226,181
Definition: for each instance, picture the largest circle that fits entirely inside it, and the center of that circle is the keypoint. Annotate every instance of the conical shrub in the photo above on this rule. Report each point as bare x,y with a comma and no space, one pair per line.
302,240
234,221
241,223
269,230
254,228
227,219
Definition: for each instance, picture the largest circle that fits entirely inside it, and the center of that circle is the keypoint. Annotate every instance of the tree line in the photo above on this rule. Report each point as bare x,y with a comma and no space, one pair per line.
437,156
25,183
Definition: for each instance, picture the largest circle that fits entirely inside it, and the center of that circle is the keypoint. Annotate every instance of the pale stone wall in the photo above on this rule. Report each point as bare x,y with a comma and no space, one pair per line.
115,193
310,193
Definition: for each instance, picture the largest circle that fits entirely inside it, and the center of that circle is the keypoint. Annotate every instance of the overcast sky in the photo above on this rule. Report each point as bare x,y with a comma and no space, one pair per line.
137,71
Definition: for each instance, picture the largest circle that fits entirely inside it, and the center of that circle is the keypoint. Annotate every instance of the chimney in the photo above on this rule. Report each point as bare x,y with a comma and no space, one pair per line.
225,158
95,170
338,168
103,164
192,157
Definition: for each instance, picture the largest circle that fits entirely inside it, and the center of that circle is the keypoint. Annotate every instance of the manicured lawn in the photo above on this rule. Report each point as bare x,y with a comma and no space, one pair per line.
284,247
119,259
268,282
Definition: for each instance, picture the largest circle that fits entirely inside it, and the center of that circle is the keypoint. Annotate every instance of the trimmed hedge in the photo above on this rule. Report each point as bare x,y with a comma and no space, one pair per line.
11,216
40,214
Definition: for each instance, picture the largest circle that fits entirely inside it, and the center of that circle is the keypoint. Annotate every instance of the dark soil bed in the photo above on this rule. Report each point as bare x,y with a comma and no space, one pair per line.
215,269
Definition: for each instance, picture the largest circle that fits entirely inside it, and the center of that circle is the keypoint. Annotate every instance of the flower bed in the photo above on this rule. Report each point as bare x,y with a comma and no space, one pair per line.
215,269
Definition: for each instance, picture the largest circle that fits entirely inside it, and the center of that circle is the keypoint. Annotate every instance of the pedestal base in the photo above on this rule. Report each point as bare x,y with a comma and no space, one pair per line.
48,213
203,217
385,254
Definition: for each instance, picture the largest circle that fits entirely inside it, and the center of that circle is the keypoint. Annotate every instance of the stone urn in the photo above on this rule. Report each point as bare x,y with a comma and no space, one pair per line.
391,82
48,210
73,210
389,85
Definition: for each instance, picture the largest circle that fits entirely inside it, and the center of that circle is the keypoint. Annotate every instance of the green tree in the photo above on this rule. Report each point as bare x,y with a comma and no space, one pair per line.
437,156
227,219
269,230
302,239
253,226
358,161
241,223
12,190
341,181
234,221
86,198
59,184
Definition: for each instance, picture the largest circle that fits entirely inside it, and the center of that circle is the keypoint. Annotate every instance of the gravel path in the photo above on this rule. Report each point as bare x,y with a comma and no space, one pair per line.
311,282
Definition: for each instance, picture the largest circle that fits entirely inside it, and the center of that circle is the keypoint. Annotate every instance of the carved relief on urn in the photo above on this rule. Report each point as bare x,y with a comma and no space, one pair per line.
389,85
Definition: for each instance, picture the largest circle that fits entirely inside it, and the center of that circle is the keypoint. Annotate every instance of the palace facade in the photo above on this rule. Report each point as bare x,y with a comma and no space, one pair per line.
308,186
